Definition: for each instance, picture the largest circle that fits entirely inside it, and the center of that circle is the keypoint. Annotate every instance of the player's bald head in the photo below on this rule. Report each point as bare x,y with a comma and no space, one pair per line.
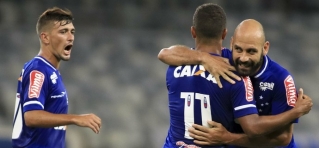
249,47
250,29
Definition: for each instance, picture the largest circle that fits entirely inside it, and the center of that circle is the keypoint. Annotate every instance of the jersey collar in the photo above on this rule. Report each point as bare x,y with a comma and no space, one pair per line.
211,53
45,61
263,67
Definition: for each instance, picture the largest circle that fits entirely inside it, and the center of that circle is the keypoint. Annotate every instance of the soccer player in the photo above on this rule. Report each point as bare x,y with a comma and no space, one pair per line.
274,88
194,96
41,109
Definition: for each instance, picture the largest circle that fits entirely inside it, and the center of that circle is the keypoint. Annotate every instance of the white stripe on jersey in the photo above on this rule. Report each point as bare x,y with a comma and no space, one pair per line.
258,75
45,62
244,106
33,102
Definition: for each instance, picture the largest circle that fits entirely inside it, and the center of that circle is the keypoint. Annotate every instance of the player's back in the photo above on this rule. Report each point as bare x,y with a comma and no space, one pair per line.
194,97
40,87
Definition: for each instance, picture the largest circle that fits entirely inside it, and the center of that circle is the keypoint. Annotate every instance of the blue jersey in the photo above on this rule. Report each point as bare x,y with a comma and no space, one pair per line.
40,87
274,89
194,97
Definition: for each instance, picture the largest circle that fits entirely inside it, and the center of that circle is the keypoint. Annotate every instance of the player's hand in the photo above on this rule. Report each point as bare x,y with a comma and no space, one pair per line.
216,135
219,66
89,120
303,103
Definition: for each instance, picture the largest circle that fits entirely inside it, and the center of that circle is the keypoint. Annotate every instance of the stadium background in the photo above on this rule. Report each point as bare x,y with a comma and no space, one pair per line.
114,71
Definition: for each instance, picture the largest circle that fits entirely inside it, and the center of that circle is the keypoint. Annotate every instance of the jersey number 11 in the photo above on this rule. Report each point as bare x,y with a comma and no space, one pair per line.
189,114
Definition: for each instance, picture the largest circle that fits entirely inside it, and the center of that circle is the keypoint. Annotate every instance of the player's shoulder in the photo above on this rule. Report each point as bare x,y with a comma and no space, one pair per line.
38,64
278,71
226,53
243,86
245,81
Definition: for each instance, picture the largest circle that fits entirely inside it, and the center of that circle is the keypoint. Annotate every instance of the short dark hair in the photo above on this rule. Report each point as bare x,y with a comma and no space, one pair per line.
209,21
52,15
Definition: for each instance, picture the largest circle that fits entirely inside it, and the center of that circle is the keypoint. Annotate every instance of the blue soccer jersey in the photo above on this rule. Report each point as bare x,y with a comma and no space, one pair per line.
194,97
40,87
274,89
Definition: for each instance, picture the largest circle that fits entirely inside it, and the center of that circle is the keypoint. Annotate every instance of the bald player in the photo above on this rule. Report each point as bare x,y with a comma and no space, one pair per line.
274,88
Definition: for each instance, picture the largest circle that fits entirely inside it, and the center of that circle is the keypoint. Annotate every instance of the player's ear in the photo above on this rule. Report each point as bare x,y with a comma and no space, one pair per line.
224,34
231,43
193,32
44,37
266,47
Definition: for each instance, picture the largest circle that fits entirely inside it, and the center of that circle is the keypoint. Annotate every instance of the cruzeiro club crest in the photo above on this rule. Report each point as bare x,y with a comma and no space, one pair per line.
266,85
54,77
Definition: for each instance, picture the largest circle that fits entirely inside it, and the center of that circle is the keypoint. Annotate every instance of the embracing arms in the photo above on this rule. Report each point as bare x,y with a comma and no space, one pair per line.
219,135
274,130
255,125
181,55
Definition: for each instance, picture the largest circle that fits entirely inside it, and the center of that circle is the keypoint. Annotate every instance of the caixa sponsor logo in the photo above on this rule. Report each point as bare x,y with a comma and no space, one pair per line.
189,71
266,85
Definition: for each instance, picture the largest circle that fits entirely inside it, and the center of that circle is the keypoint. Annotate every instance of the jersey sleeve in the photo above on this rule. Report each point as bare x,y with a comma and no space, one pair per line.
285,95
243,98
34,88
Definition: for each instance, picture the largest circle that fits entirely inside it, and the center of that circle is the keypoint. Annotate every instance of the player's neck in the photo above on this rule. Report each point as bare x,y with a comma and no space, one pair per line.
214,47
46,54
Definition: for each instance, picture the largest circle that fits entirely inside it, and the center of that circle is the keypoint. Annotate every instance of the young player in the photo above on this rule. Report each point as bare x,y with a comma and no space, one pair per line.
41,109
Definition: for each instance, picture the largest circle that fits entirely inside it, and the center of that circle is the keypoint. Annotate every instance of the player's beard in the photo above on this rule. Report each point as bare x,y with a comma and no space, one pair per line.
250,67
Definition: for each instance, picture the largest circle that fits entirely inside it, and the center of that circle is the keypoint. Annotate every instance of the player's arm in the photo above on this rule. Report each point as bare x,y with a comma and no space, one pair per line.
41,118
285,105
178,55
281,137
219,135
36,86
254,125
181,55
